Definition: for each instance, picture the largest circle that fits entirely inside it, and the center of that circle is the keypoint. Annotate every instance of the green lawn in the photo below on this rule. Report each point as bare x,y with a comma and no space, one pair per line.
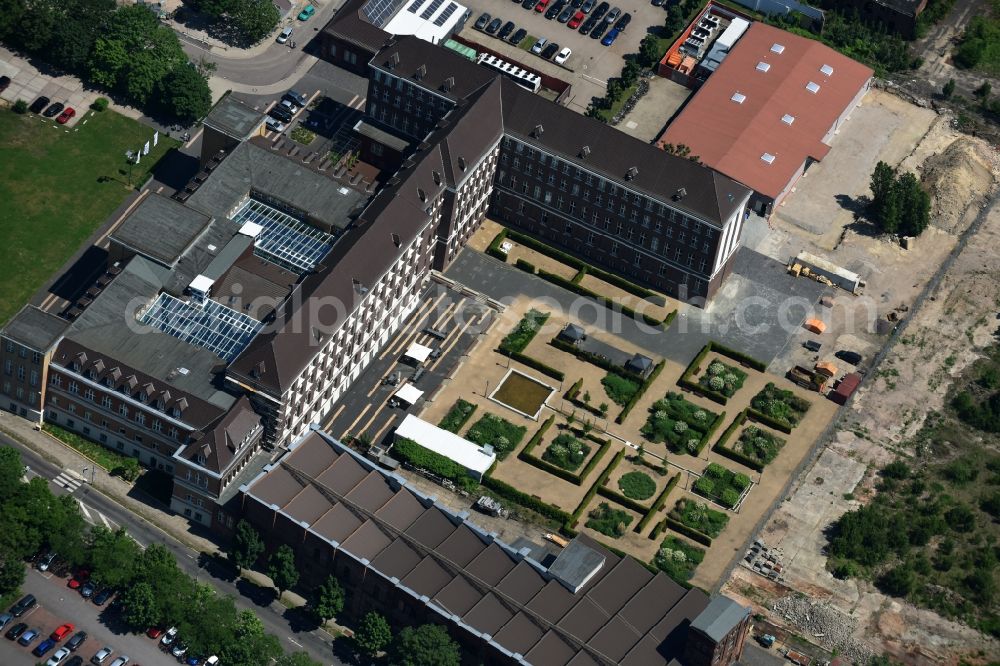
52,191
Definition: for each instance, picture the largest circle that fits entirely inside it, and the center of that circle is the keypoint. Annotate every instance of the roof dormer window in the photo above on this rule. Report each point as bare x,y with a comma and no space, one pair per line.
768,158
763,66
827,70
738,97
812,87
777,48
788,119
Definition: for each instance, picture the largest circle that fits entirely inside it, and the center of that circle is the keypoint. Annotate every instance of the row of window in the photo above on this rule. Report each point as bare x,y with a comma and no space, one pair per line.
123,410
36,357
19,393
109,382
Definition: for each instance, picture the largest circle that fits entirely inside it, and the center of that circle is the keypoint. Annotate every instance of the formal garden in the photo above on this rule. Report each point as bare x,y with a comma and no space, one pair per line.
457,416
497,432
637,485
517,340
619,388
698,516
722,378
779,407
608,521
722,485
682,425
678,559
566,451
758,444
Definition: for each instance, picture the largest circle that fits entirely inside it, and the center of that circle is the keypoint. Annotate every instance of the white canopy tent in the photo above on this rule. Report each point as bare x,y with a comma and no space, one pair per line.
418,352
409,394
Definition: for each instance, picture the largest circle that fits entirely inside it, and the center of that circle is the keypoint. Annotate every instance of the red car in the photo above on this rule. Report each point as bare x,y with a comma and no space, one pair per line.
65,116
540,7
576,20
62,631
81,577
154,632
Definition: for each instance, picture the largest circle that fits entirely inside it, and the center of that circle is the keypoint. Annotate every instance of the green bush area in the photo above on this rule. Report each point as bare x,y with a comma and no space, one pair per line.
609,521
620,389
697,515
637,485
681,424
780,405
722,485
566,451
979,47
722,378
678,559
457,416
500,433
406,450
524,332
758,444
124,466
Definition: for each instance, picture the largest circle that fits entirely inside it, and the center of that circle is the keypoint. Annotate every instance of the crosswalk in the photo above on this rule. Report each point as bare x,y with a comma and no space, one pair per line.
68,481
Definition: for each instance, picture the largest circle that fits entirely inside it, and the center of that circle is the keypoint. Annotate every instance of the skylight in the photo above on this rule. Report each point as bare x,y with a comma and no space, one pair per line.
767,157
777,48
763,66
788,119
738,97
827,70
812,87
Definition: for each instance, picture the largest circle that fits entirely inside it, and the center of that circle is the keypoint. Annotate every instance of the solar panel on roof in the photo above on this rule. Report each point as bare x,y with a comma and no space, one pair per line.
284,240
212,326
446,14
414,6
378,12
431,8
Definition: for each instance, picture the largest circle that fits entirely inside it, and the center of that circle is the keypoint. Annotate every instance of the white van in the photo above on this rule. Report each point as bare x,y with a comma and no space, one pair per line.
285,34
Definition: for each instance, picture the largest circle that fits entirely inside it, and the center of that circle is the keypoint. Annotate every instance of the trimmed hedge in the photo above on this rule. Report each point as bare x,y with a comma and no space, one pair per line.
455,418
527,328
723,450
580,274
695,365
572,394
689,532
657,505
599,483
525,266
738,356
511,493
627,502
593,359
521,357
609,303
646,383
537,437
761,417
494,248
711,431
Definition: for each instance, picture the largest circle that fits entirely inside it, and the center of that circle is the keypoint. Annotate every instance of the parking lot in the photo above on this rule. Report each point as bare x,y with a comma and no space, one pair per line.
591,64
28,83
365,409
58,604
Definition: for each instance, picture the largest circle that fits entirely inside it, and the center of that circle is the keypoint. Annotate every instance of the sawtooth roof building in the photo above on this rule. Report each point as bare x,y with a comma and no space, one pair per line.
770,110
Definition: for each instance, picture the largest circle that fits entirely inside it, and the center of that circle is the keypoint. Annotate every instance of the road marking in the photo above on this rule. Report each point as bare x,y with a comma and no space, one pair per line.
451,345
367,407
67,482
334,416
292,640
86,511
377,437
104,520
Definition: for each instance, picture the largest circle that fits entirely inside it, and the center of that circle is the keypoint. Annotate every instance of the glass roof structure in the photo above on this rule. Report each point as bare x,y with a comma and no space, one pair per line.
211,325
285,240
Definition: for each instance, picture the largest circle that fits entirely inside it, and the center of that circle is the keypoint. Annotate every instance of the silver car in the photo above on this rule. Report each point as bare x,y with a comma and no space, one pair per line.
102,655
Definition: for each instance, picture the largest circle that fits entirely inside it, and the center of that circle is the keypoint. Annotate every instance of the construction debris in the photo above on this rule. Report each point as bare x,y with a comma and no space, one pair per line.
832,629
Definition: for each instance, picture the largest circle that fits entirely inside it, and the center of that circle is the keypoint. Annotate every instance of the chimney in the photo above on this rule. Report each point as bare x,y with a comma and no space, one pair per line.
680,194
449,83
421,72
393,60
461,163
437,177
537,132
631,173
585,152
396,240
258,370
421,194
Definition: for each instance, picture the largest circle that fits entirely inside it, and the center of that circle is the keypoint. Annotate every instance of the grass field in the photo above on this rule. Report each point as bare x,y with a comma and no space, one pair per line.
56,188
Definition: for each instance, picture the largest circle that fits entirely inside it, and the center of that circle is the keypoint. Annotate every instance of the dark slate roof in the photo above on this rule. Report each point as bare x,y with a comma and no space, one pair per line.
572,332
349,25
440,63
720,617
639,363
469,576
234,117
576,564
161,228
223,441
35,328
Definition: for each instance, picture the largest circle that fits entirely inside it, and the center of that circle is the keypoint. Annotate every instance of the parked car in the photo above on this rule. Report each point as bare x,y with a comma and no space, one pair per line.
613,15
541,6
506,30
587,6
852,357
659,3
528,4
610,38
563,55
102,655
539,46
58,657
4,83
550,50
5,619
577,19
76,660
29,636
601,10
39,104
76,640
120,661
284,35
296,98
15,632
169,636
599,29
588,25
106,593
307,13
42,648
566,14
518,36
45,561
179,650
281,113
62,631
78,579
554,8
87,589
623,22
26,603
292,108
274,125
154,632
494,25
482,21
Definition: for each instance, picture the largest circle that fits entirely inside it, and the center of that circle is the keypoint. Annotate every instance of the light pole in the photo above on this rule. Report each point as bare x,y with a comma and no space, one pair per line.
92,472
129,156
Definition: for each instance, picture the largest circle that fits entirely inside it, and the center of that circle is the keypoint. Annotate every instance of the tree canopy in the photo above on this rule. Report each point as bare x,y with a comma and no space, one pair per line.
899,203
246,546
426,645
282,570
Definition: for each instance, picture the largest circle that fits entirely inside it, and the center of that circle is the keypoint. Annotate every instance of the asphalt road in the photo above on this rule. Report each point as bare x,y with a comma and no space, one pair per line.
296,633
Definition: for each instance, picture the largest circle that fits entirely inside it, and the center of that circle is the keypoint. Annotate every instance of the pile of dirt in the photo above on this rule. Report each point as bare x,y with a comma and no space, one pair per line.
960,180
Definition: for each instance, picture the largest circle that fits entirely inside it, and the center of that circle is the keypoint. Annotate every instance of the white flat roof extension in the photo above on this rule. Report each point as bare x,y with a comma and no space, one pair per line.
448,444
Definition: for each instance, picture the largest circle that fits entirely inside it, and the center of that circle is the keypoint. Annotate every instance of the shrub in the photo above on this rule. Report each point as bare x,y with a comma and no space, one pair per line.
608,521
524,332
677,558
676,421
406,450
566,451
500,433
620,389
780,406
525,266
699,516
637,485
722,485
99,104
457,416
512,494
729,498
20,106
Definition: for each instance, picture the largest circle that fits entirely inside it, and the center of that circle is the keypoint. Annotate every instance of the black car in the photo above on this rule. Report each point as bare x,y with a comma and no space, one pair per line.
601,10
554,9
102,597
623,22
587,6
494,25
75,641
4,83
852,357
567,13
75,660
599,29
550,50
54,110
39,104
659,3
575,4
482,21
529,4
15,632
518,36
588,25
281,113
26,603
506,30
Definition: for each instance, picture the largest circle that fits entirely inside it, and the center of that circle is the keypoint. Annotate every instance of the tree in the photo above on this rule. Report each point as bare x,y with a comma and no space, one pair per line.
11,471
649,51
373,634
882,180
249,645
12,574
281,569
246,546
949,89
253,19
209,621
899,581
140,606
328,599
427,645
113,557
674,21
983,91
184,94
915,205
74,35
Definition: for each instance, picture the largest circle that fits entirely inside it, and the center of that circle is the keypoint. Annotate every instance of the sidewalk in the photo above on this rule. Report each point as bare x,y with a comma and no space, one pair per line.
219,85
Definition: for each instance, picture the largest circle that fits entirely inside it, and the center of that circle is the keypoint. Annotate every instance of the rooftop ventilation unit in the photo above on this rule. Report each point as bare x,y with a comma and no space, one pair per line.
396,240
768,158
812,87
538,131
421,194
421,72
393,60
585,151
777,48
680,194
788,119
358,287
763,66
449,83
738,97
827,70
437,177
631,173
461,163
